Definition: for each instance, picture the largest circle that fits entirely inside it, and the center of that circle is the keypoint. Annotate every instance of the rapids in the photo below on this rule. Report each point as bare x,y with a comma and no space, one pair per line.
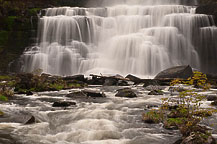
110,120
140,37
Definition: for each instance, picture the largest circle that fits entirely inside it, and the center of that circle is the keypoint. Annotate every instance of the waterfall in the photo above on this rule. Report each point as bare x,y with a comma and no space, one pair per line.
140,37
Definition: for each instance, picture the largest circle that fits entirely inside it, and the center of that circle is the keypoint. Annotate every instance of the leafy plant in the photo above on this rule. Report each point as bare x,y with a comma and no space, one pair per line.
184,111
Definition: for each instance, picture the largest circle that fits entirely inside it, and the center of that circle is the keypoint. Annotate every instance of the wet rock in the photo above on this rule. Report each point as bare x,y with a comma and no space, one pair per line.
94,94
134,79
128,93
75,77
149,82
96,81
122,83
212,97
63,104
214,103
32,120
86,94
208,9
110,82
28,93
152,88
182,72
45,75
156,92
25,80
79,94
151,106
198,138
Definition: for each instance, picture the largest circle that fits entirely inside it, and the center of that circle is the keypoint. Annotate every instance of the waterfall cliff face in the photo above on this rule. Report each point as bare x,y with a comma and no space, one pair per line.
141,37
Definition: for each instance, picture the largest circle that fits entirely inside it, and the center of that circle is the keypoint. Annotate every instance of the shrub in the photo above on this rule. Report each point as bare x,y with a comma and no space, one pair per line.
186,113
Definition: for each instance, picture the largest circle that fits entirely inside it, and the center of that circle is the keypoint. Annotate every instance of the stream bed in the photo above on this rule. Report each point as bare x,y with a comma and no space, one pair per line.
108,120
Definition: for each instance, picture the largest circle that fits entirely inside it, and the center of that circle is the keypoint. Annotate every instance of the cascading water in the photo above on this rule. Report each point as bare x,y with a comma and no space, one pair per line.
140,37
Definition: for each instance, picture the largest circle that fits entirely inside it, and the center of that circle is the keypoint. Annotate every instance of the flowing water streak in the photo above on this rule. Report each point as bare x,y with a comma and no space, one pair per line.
126,38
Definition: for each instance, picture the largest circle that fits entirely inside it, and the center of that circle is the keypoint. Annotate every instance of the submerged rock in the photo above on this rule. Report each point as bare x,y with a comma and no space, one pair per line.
63,104
182,72
127,92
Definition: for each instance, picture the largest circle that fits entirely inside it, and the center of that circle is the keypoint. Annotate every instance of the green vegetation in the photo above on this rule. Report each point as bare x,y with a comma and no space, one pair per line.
184,112
3,98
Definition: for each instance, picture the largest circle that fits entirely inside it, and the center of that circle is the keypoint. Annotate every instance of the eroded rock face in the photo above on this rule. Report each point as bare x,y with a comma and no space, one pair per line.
208,9
182,72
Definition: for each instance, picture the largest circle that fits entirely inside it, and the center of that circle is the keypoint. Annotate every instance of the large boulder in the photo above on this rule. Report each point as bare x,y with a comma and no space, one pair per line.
85,94
182,72
127,93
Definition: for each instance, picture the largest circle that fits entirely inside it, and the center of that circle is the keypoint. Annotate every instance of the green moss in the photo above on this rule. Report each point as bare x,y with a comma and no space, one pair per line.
34,11
57,86
5,77
75,85
3,98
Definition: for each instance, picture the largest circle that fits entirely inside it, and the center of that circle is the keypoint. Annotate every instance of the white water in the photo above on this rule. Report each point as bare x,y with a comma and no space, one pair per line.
110,120
139,37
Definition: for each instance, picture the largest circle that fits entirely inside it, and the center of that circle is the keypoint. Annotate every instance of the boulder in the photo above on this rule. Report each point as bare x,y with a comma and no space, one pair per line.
127,92
182,72
212,97
75,77
156,92
63,104
134,79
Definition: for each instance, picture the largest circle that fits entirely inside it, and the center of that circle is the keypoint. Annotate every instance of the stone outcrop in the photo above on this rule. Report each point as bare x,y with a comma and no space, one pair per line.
182,72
